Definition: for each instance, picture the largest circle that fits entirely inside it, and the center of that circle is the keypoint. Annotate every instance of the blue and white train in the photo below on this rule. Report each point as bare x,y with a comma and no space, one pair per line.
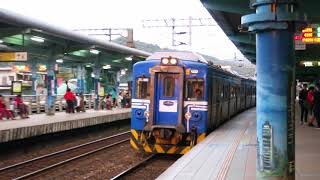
178,98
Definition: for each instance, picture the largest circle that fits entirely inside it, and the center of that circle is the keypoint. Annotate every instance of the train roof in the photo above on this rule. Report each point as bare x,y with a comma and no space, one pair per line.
192,56
184,55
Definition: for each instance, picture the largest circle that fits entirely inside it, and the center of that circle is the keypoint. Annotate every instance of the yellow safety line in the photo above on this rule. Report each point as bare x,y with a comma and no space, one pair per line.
226,164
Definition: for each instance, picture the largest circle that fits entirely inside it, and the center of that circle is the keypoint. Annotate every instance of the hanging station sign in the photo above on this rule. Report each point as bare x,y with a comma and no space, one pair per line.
13,56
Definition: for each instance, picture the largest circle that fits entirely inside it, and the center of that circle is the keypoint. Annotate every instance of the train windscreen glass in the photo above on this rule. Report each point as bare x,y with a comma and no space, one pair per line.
142,88
168,87
194,89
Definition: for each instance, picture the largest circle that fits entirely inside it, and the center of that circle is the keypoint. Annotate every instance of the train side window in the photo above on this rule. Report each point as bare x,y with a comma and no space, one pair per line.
142,88
194,89
168,86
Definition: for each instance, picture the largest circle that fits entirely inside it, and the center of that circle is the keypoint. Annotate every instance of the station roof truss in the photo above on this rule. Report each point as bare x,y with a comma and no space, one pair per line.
45,42
227,13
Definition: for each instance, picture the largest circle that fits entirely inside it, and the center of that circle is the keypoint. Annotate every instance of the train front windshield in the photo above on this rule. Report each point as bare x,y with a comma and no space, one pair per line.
194,89
142,88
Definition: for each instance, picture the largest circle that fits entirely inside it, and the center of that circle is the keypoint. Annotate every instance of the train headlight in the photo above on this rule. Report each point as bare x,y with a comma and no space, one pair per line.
169,61
146,114
165,61
173,61
187,116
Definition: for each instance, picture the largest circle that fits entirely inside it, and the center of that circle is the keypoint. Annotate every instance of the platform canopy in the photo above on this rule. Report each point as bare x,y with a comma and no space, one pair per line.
43,42
227,13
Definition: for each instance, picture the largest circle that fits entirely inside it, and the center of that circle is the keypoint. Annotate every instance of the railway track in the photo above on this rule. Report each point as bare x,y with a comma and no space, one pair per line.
149,168
36,166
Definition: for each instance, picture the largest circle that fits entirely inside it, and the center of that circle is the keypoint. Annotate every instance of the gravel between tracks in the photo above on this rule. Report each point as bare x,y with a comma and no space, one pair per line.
103,165
43,148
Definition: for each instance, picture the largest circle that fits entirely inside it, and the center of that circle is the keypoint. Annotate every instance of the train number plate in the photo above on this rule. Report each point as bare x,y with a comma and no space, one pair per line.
168,105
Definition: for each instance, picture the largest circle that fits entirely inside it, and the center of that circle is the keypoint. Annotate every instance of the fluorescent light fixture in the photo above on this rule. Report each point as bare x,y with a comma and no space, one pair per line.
37,39
1,41
94,51
59,60
88,65
308,64
122,72
106,66
116,60
129,58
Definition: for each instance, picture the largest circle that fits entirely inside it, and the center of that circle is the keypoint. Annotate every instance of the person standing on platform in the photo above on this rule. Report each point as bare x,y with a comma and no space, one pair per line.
70,98
302,101
309,105
316,97
114,97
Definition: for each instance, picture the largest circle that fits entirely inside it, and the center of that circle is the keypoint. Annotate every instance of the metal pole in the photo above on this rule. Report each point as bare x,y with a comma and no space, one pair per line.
190,27
33,65
97,72
173,32
51,87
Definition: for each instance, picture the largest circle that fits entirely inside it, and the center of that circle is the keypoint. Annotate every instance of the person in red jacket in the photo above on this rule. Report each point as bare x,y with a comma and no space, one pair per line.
23,109
310,100
70,98
4,111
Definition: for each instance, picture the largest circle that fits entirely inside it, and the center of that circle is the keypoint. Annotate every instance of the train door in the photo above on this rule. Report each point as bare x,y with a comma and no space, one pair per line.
167,98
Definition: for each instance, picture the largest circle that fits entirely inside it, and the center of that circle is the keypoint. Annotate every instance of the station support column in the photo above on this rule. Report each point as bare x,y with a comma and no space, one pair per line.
80,78
51,87
274,25
97,73
34,69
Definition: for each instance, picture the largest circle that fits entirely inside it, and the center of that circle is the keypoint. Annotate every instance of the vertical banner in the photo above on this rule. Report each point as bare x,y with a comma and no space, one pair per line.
52,87
275,105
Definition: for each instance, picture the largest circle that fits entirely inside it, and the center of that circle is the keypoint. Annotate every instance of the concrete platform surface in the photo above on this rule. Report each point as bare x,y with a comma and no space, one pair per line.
230,153
42,124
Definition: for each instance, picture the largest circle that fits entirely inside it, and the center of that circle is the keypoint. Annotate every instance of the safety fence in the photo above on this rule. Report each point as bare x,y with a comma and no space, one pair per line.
38,103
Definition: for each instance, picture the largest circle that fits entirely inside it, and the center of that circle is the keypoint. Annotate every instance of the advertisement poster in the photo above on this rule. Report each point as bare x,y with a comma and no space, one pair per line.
16,87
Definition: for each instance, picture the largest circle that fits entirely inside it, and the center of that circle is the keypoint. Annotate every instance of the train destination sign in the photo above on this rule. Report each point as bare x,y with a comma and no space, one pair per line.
13,56
311,35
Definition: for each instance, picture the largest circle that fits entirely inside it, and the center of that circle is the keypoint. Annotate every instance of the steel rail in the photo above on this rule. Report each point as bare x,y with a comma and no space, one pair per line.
63,151
131,169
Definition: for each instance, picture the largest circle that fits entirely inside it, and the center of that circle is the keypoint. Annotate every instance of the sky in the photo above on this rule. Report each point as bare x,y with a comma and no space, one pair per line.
79,14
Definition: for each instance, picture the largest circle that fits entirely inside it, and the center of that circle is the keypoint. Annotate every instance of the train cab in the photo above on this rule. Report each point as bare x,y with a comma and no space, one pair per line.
169,102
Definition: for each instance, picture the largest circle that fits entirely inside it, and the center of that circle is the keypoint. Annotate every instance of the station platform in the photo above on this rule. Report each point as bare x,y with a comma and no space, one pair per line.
230,153
40,124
